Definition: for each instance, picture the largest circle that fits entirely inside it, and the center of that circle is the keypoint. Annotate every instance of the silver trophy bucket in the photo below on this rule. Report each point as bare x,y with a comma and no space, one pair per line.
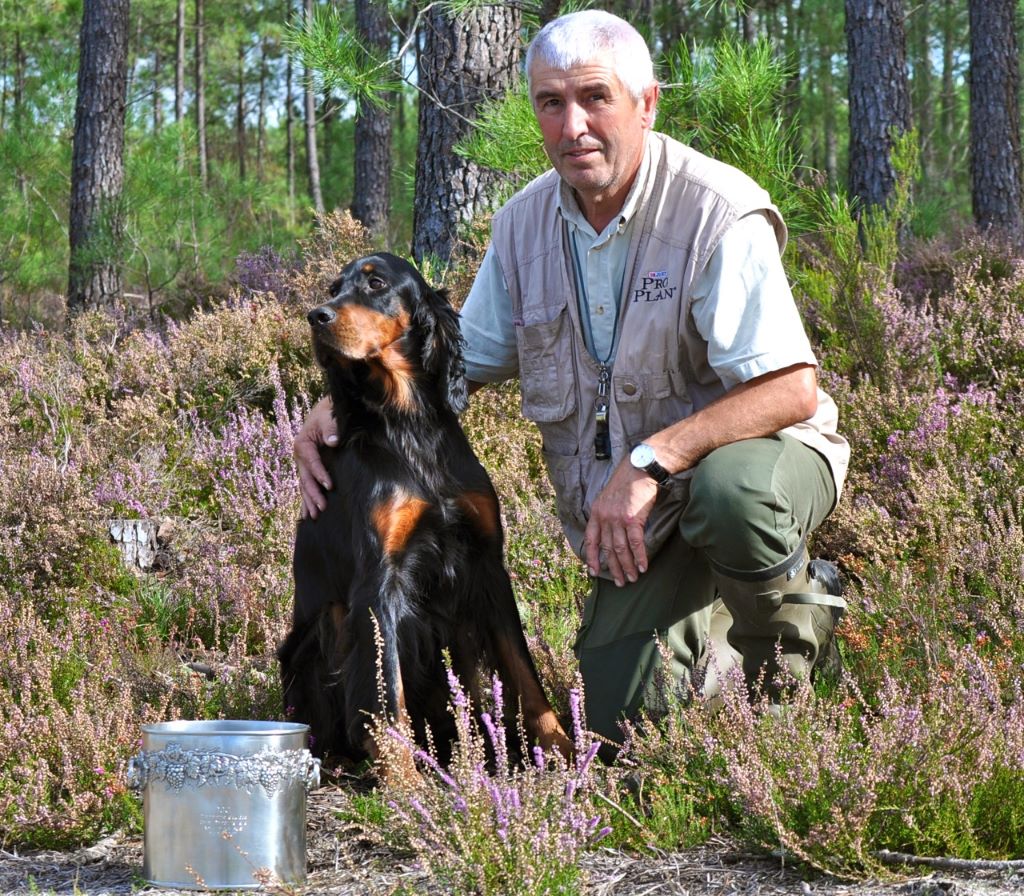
224,803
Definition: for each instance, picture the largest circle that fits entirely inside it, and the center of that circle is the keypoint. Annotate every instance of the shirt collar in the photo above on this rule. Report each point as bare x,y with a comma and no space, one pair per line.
569,208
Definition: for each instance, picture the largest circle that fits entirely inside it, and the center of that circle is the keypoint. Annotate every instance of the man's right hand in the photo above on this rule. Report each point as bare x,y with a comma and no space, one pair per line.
318,429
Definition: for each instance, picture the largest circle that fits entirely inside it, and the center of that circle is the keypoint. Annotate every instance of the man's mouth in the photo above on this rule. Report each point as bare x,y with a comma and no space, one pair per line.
580,152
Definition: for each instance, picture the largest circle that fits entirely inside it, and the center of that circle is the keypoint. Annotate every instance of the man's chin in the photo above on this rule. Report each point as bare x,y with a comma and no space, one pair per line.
584,179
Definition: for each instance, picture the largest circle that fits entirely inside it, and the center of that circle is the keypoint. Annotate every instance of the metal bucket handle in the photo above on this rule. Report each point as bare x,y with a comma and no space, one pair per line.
269,769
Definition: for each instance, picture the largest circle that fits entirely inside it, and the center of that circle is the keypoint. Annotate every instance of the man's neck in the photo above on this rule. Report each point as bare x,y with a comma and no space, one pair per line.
603,208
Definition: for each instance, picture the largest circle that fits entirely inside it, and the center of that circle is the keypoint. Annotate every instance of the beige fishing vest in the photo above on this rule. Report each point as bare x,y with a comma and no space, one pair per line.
660,373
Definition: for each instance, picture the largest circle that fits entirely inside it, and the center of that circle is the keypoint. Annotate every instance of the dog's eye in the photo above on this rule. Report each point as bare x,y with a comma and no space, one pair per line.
376,283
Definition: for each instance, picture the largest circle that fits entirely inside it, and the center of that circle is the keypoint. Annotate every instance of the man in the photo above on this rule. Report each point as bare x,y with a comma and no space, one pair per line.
637,291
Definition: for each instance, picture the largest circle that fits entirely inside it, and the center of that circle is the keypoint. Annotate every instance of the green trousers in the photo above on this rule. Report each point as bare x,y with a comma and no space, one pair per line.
749,506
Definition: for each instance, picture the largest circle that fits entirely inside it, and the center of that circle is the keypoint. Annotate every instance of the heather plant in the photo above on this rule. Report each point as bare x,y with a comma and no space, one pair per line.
833,782
189,425
489,824
70,715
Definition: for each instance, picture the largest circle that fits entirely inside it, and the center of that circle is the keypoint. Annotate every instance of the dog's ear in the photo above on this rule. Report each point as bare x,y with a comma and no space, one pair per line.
442,346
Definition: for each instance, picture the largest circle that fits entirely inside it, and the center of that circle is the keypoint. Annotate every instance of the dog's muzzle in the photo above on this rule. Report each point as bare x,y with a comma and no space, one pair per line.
321,316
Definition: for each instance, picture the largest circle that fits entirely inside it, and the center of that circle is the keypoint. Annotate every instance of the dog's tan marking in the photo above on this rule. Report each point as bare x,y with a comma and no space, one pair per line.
359,332
368,267
398,377
541,722
394,760
395,520
482,509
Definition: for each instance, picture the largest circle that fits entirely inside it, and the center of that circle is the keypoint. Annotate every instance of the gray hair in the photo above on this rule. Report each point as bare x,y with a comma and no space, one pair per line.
577,37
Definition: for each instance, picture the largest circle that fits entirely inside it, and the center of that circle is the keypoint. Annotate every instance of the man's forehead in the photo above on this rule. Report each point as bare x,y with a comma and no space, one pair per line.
597,72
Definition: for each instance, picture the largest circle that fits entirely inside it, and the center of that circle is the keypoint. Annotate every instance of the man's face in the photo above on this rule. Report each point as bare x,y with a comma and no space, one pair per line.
593,129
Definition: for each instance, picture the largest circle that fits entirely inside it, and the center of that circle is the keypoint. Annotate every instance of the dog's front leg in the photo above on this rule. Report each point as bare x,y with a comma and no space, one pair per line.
511,659
373,684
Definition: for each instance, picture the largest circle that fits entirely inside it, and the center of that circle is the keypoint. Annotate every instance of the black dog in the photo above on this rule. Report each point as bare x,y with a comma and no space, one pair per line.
406,560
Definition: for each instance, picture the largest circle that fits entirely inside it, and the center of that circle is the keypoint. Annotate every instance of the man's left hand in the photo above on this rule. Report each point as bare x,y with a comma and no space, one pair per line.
615,533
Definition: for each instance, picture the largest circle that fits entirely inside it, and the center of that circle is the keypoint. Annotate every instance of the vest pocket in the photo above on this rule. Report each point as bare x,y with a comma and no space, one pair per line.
546,368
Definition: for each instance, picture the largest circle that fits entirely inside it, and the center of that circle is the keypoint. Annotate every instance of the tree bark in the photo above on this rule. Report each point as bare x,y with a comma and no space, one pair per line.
179,64
240,110
462,61
97,157
312,158
204,167
158,101
923,90
995,115
372,188
949,47
879,95
261,112
289,118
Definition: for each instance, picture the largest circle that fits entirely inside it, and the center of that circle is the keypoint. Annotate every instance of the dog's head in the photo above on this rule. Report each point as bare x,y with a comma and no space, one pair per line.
382,314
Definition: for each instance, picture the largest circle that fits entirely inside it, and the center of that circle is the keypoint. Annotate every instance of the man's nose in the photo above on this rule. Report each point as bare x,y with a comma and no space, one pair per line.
575,124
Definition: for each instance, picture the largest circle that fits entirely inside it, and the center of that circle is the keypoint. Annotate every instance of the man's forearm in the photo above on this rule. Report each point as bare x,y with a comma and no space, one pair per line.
760,407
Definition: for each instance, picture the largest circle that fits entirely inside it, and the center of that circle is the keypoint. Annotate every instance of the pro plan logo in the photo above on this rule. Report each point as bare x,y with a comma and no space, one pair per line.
654,287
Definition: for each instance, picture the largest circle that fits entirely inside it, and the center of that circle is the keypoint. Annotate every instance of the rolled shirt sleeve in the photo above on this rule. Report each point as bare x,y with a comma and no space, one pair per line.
744,308
486,322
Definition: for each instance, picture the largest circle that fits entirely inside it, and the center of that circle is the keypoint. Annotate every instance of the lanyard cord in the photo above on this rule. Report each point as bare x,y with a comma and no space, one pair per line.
602,436
583,302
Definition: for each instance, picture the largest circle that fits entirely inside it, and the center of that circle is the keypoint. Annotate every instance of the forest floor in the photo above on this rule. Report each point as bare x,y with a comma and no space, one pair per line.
344,865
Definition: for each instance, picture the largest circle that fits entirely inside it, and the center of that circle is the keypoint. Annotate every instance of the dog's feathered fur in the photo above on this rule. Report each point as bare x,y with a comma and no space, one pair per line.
411,542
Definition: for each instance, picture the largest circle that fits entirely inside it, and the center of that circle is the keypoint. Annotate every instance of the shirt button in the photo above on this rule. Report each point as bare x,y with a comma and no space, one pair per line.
600,309
629,388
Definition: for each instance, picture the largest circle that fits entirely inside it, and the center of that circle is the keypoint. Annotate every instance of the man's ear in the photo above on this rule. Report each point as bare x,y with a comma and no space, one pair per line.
649,104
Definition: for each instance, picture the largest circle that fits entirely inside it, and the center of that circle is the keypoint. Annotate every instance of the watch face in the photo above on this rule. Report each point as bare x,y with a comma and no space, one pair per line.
642,456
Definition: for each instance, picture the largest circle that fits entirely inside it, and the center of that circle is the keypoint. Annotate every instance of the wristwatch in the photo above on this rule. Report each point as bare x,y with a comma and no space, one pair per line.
642,457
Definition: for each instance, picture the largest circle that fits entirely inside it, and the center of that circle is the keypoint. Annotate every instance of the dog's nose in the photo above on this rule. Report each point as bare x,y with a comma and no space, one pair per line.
321,317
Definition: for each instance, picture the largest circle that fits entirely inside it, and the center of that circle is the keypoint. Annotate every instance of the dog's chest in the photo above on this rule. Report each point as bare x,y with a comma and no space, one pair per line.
405,521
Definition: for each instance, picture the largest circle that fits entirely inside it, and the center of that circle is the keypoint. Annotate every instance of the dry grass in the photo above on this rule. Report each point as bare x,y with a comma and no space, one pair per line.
342,864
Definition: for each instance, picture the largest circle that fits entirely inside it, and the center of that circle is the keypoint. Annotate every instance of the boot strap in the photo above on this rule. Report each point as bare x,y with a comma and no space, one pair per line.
772,600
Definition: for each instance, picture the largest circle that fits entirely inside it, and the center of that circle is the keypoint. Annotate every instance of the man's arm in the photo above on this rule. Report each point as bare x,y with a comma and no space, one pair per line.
319,428
759,407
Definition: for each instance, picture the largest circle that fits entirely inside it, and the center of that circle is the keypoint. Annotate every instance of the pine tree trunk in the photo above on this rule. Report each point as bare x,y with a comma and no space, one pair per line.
289,119
879,95
97,161
995,115
261,112
829,124
462,61
372,189
240,111
19,76
179,64
949,47
923,90
312,158
158,102
204,167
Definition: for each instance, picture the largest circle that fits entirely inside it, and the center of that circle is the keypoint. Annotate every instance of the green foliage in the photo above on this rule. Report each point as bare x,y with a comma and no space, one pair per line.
922,346
330,48
727,100
847,263
506,136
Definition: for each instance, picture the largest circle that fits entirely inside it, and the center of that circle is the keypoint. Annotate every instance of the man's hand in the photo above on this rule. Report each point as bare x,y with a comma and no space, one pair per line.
615,532
318,429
